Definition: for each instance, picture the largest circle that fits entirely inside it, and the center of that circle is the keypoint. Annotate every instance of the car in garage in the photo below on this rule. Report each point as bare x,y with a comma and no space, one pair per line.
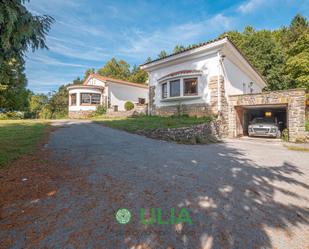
264,126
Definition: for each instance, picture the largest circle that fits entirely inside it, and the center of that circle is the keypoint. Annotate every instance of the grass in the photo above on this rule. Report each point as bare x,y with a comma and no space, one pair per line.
307,125
297,148
19,137
151,122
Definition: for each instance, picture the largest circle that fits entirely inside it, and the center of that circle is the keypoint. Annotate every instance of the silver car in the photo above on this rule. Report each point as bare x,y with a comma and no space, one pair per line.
264,126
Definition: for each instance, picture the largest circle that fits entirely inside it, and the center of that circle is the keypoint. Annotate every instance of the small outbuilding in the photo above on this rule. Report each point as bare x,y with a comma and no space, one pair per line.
98,90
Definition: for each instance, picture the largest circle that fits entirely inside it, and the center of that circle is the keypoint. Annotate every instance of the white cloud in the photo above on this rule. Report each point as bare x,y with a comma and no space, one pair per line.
78,51
52,61
250,6
142,44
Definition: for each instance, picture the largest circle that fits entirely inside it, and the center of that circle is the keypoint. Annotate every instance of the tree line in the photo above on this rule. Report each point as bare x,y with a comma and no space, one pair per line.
55,104
281,56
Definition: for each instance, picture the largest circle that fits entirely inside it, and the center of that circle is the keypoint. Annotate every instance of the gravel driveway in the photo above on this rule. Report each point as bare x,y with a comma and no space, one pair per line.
239,194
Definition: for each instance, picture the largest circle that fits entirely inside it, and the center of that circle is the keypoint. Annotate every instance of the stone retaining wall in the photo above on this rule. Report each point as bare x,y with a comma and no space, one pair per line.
198,110
79,114
202,133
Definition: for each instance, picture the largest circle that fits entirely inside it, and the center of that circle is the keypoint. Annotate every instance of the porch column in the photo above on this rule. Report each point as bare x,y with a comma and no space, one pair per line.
78,99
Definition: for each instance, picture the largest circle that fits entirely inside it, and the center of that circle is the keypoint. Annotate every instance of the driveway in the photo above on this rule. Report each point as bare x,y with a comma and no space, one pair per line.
239,194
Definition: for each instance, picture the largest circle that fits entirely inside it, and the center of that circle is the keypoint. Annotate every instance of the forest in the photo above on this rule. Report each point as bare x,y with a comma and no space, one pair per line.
280,55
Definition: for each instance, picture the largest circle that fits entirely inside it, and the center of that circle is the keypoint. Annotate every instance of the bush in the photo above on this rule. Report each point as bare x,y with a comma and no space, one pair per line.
11,115
128,106
45,113
285,135
307,125
101,109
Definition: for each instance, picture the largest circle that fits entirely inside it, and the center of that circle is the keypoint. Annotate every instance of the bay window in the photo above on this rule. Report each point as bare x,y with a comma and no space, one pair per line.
182,87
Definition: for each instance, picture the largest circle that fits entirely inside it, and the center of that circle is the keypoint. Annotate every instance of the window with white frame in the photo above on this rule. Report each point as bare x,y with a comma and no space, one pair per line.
164,90
95,98
85,98
190,86
90,98
180,87
73,99
175,88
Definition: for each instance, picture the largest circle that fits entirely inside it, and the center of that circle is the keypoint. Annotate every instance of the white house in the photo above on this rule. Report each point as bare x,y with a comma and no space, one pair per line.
99,90
189,77
215,78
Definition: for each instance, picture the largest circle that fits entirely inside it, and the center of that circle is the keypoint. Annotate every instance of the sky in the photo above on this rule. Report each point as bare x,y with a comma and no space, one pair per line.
88,33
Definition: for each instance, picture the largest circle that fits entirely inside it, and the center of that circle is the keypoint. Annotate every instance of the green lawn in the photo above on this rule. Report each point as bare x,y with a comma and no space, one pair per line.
152,122
19,137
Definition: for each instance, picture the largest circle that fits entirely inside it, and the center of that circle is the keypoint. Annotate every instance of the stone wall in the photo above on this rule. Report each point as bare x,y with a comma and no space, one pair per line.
138,110
79,114
294,99
215,98
203,133
151,105
183,109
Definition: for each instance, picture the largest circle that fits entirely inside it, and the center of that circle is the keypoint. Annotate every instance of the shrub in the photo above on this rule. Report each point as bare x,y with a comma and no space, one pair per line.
45,113
101,109
11,115
285,135
128,106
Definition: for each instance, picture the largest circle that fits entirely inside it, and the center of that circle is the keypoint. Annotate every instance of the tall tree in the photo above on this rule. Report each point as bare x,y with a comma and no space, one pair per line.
138,75
77,81
291,34
297,65
37,103
162,54
115,69
178,49
20,31
262,50
58,103
88,72
148,60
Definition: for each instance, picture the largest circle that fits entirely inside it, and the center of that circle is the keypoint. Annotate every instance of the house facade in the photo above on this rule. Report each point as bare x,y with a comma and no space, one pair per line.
212,79
98,90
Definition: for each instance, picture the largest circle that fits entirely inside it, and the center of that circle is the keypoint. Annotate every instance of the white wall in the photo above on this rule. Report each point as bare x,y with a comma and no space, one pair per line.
120,93
208,64
95,82
235,78
79,107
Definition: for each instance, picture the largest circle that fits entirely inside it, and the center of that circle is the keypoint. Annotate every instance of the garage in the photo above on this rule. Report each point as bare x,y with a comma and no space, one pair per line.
286,107
257,116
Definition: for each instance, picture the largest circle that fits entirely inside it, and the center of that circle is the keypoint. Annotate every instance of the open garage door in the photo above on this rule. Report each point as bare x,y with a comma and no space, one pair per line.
246,114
